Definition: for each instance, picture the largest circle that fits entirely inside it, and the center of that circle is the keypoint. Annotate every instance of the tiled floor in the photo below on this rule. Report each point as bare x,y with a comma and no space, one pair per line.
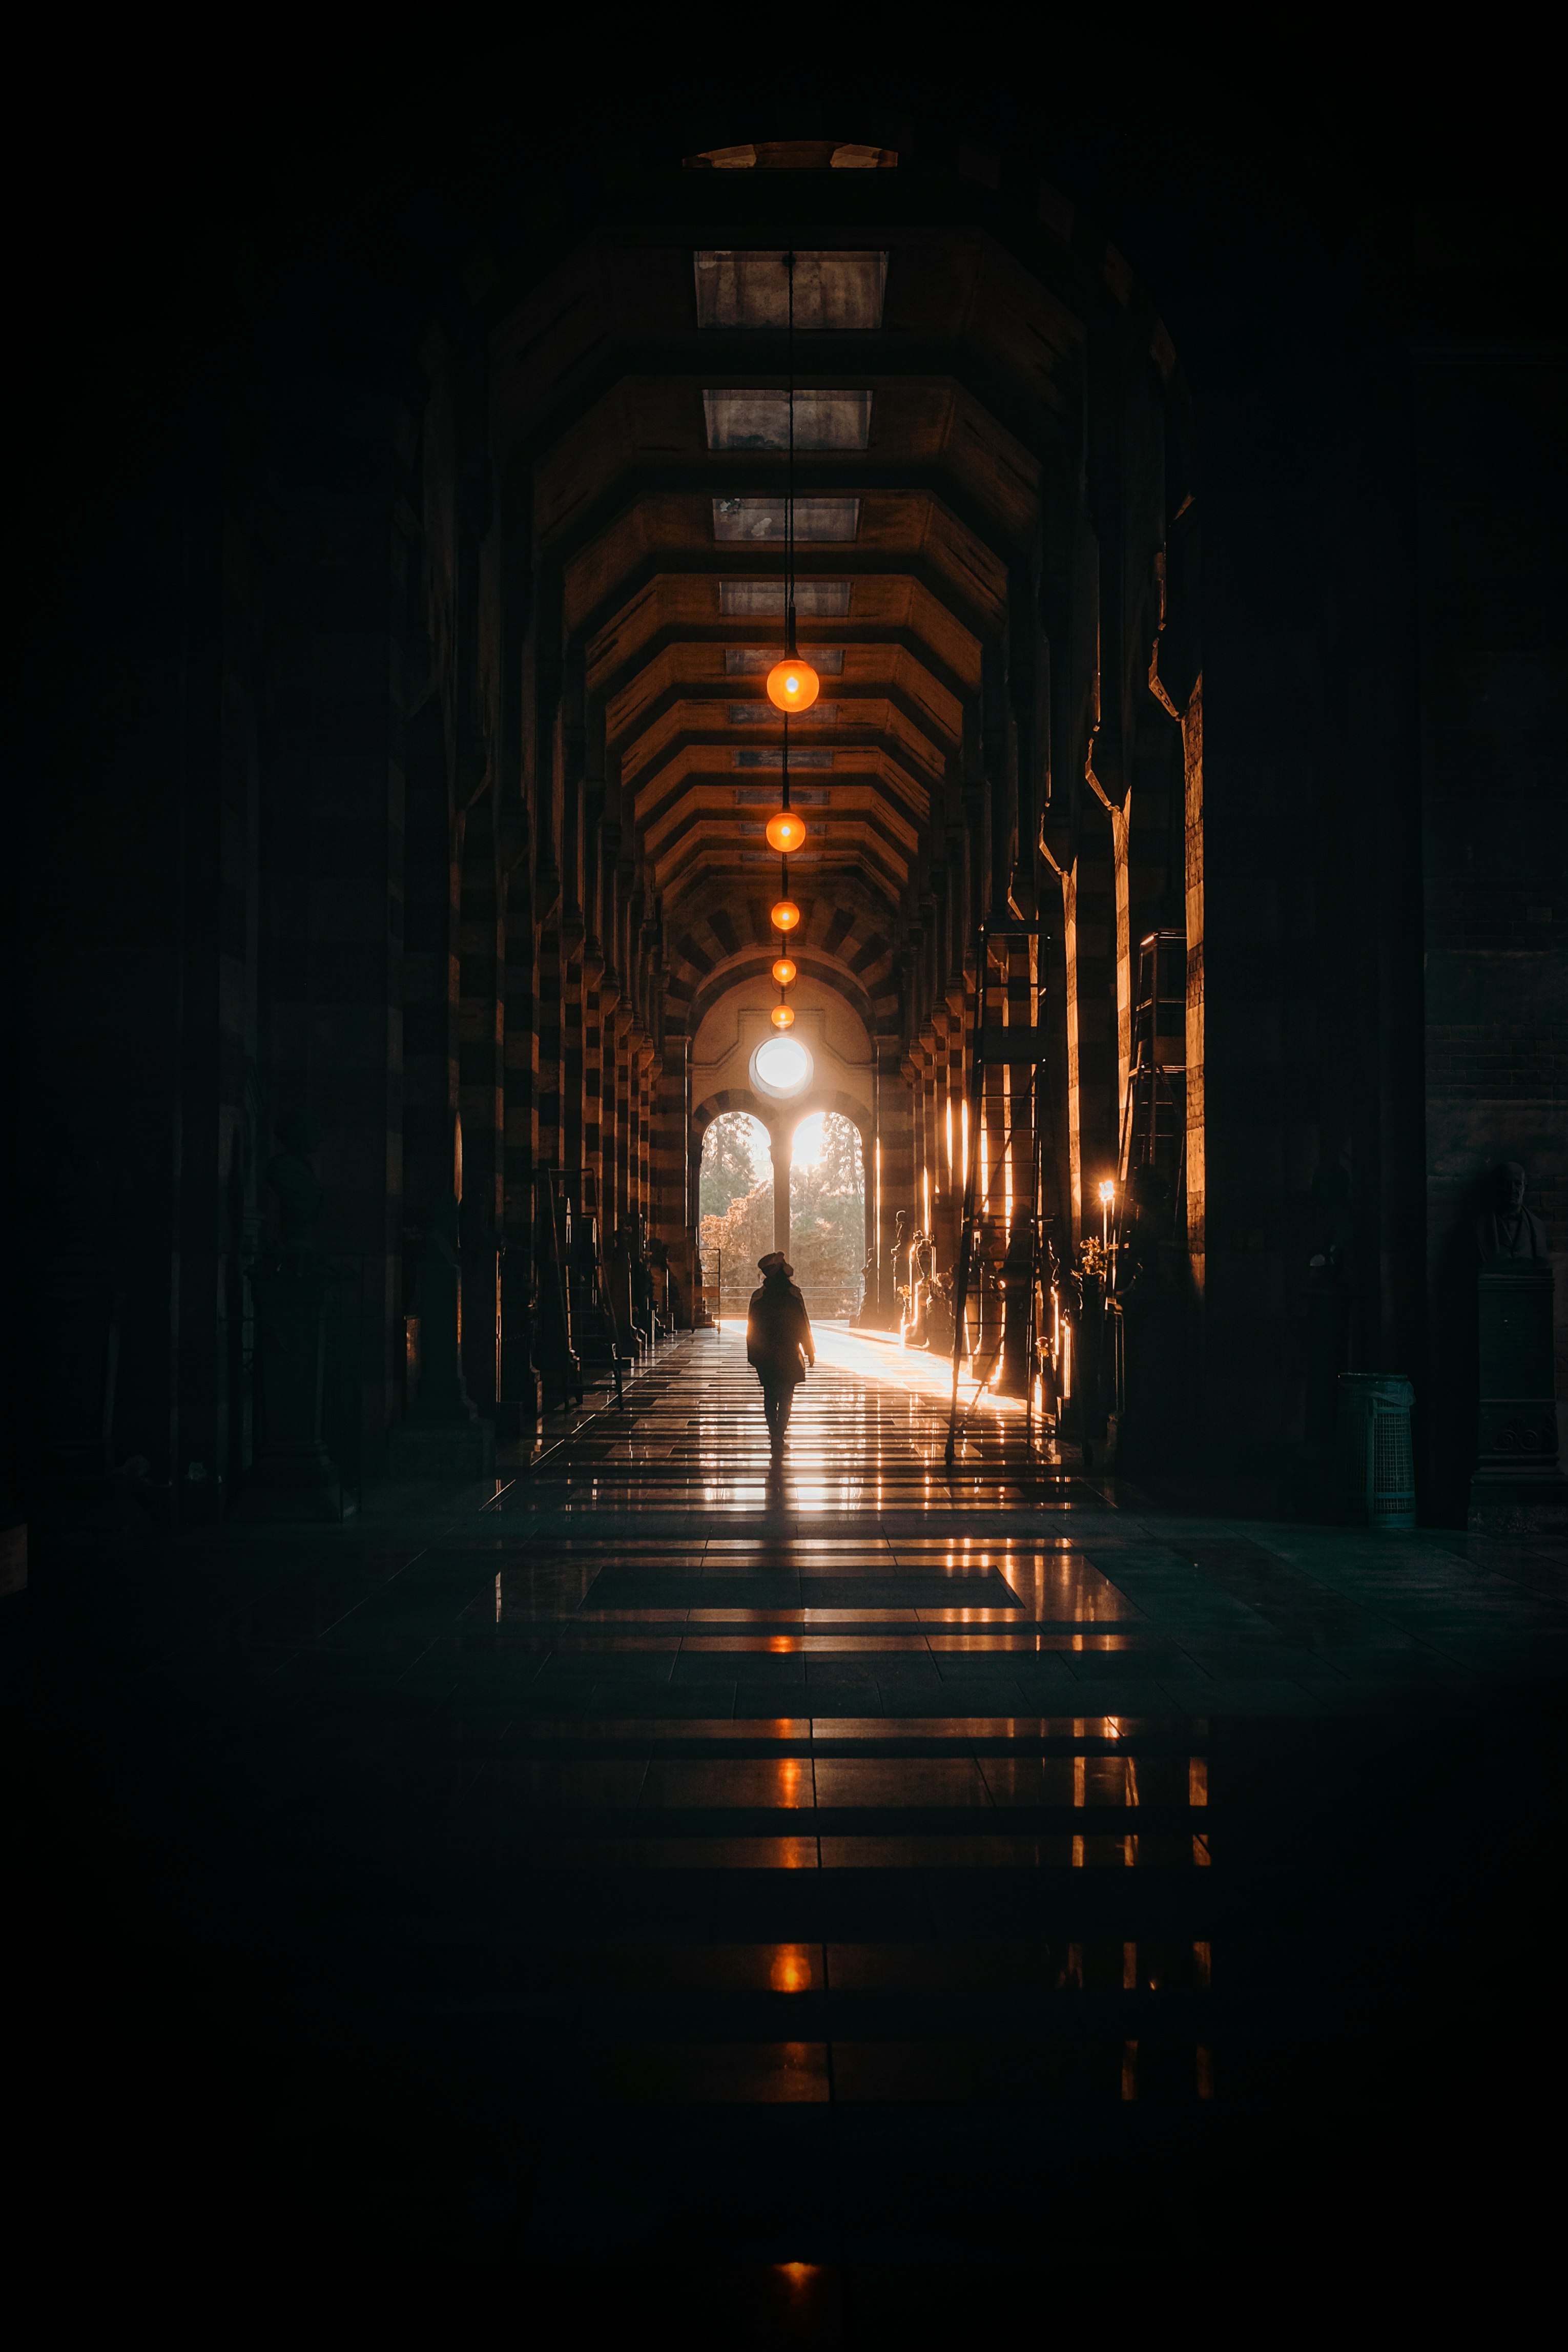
855,1867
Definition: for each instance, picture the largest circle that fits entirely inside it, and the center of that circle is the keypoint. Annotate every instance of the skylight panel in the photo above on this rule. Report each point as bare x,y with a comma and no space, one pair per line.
753,661
822,599
832,290
762,714
816,520
775,760
760,420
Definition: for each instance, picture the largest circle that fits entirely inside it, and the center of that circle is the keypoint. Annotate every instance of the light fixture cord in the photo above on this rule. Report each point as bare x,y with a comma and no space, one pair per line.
789,497
789,518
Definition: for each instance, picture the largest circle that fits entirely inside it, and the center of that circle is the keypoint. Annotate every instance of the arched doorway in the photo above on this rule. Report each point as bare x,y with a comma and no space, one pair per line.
827,1213
735,1206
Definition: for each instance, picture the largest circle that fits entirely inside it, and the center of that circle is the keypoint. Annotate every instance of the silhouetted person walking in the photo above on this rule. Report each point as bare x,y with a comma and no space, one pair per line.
778,1341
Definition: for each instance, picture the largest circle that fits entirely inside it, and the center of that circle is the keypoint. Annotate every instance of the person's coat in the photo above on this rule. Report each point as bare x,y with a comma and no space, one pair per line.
778,1334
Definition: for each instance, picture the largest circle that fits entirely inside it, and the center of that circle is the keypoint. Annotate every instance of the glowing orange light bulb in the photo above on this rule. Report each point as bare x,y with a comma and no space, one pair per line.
792,683
785,971
783,1017
787,915
786,831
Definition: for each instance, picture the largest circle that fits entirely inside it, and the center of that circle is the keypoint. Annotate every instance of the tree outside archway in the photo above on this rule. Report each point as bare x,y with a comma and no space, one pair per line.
735,1203
827,1213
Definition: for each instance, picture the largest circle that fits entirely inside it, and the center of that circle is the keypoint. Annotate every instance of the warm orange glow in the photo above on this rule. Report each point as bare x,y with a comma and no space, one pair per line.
792,683
787,915
783,1017
785,832
785,971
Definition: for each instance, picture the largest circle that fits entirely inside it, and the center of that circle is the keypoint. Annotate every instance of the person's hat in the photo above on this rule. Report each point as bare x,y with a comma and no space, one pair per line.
776,1262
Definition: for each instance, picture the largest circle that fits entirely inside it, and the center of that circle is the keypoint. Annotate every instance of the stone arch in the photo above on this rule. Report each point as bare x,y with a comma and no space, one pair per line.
780,1121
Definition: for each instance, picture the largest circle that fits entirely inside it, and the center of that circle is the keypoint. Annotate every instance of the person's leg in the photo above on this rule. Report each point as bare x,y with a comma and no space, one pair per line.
771,1409
785,1398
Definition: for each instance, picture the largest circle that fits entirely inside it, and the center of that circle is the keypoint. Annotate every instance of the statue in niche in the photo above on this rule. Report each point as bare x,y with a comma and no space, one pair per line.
295,1185
917,1290
1508,1235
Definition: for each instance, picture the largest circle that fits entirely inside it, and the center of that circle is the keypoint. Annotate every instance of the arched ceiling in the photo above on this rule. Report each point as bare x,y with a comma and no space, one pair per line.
637,403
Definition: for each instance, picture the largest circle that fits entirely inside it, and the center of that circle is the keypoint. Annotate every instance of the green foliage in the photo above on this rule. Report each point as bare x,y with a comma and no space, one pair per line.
827,1222
740,1237
826,1213
734,1161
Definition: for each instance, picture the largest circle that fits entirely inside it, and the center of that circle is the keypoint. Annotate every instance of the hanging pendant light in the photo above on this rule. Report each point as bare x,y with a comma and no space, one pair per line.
792,683
785,971
792,687
783,1017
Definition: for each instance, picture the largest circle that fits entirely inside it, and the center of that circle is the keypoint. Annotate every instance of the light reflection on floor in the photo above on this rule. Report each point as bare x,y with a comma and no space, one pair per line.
792,1859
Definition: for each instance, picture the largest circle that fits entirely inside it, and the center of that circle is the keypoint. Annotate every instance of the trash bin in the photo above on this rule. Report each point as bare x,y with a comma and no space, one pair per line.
1377,1460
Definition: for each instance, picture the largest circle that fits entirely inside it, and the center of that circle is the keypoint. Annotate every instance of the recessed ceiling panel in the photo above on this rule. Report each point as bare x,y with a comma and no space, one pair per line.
762,714
753,661
760,420
795,155
822,600
816,520
752,290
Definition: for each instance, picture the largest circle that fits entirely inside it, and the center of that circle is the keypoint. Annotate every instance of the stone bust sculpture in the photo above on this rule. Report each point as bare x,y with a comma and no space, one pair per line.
1509,1234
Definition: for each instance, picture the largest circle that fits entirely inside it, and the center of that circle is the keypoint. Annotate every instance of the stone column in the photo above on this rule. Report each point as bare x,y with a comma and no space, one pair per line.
930,1127
442,1434
947,1187
573,1085
293,1477
593,1067
617,1032
781,1144
897,1139
520,1380
1517,1487
610,1106
646,1083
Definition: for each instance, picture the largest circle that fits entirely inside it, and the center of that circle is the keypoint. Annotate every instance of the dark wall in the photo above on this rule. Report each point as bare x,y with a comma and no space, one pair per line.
1490,459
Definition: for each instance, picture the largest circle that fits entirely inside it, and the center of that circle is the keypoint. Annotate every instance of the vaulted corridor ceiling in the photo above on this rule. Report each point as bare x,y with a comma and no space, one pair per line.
639,405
